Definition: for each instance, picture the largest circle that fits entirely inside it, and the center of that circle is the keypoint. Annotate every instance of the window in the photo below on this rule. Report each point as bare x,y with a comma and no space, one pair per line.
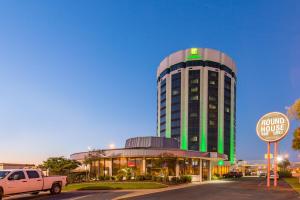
194,81
227,109
194,89
194,114
212,82
32,174
175,92
211,123
194,139
196,97
211,98
211,106
19,175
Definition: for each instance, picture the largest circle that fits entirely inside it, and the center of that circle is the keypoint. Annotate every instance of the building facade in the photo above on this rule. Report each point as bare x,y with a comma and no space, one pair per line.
151,156
196,100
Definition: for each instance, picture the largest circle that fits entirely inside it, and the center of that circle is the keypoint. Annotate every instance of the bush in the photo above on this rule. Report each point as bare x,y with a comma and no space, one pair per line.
186,179
107,178
148,177
128,177
119,177
285,174
175,180
77,177
140,178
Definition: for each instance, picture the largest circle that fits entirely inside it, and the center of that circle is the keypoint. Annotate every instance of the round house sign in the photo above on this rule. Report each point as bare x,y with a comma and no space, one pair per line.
272,127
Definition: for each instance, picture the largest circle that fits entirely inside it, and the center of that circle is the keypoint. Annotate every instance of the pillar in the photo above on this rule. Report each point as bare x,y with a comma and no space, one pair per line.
144,166
177,168
200,164
209,170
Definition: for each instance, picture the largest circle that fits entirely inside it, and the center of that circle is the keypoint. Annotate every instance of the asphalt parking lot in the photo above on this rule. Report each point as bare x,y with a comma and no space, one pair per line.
244,189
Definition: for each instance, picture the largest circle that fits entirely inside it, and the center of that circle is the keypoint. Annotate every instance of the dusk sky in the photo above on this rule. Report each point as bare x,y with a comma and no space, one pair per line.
79,74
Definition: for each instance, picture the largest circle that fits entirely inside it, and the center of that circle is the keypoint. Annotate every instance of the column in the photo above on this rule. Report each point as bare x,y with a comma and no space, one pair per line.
221,113
203,108
144,166
200,170
184,109
177,168
168,105
209,170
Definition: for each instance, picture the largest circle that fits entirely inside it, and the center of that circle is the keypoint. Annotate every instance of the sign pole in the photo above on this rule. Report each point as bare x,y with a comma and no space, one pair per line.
275,163
269,163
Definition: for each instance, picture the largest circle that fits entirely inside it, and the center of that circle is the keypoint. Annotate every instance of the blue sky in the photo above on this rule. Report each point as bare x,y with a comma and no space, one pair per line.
75,74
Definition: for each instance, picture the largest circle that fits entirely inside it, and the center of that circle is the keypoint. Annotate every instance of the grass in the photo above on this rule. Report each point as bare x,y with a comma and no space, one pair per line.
114,186
294,183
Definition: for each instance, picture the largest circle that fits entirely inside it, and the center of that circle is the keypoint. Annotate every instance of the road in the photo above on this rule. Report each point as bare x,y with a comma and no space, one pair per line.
75,195
243,189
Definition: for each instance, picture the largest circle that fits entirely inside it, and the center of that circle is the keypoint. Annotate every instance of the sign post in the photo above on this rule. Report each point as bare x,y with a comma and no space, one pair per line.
275,163
271,128
269,162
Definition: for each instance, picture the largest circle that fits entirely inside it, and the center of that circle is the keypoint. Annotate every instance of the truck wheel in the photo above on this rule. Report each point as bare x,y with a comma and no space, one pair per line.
55,189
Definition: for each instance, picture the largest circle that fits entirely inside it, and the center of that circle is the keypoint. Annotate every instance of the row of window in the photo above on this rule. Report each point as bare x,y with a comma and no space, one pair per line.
196,63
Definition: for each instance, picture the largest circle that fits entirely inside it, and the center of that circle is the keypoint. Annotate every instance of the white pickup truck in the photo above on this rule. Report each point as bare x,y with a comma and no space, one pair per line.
17,181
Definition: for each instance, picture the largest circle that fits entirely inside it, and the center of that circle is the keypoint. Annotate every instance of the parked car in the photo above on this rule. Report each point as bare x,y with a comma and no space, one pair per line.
272,175
262,174
32,181
233,175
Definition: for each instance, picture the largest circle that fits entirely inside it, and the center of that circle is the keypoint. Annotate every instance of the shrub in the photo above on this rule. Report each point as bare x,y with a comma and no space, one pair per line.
77,177
186,179
101,178
119,177
175,180
128,177
285,174
148,177
140,178
106,178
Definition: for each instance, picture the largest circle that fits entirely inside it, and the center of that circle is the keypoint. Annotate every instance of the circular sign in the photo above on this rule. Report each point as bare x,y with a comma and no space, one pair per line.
272,127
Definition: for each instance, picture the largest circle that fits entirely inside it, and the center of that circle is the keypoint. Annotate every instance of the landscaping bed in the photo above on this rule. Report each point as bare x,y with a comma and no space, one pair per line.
111,185
294,183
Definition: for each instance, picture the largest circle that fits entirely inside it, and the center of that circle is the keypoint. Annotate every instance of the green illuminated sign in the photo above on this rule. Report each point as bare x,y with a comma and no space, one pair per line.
193,54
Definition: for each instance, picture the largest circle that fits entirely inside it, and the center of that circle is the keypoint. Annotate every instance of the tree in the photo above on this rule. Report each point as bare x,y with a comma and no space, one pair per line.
296,139
60,165
294,113
294,110
284,164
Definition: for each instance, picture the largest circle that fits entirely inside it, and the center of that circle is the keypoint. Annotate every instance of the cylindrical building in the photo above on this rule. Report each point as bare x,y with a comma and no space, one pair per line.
196,95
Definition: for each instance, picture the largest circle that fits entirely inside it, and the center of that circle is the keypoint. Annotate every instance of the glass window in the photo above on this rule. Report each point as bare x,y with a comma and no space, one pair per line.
194,114
19,175
116,166
194,81
194,89
32,174
175,92
211,106
194,139
196,97
212,82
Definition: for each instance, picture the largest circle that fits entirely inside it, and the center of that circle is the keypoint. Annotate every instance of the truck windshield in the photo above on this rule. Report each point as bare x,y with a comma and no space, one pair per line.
3,174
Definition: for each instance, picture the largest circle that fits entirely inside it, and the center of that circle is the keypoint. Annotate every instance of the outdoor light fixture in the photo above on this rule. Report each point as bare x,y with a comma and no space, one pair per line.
279,158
